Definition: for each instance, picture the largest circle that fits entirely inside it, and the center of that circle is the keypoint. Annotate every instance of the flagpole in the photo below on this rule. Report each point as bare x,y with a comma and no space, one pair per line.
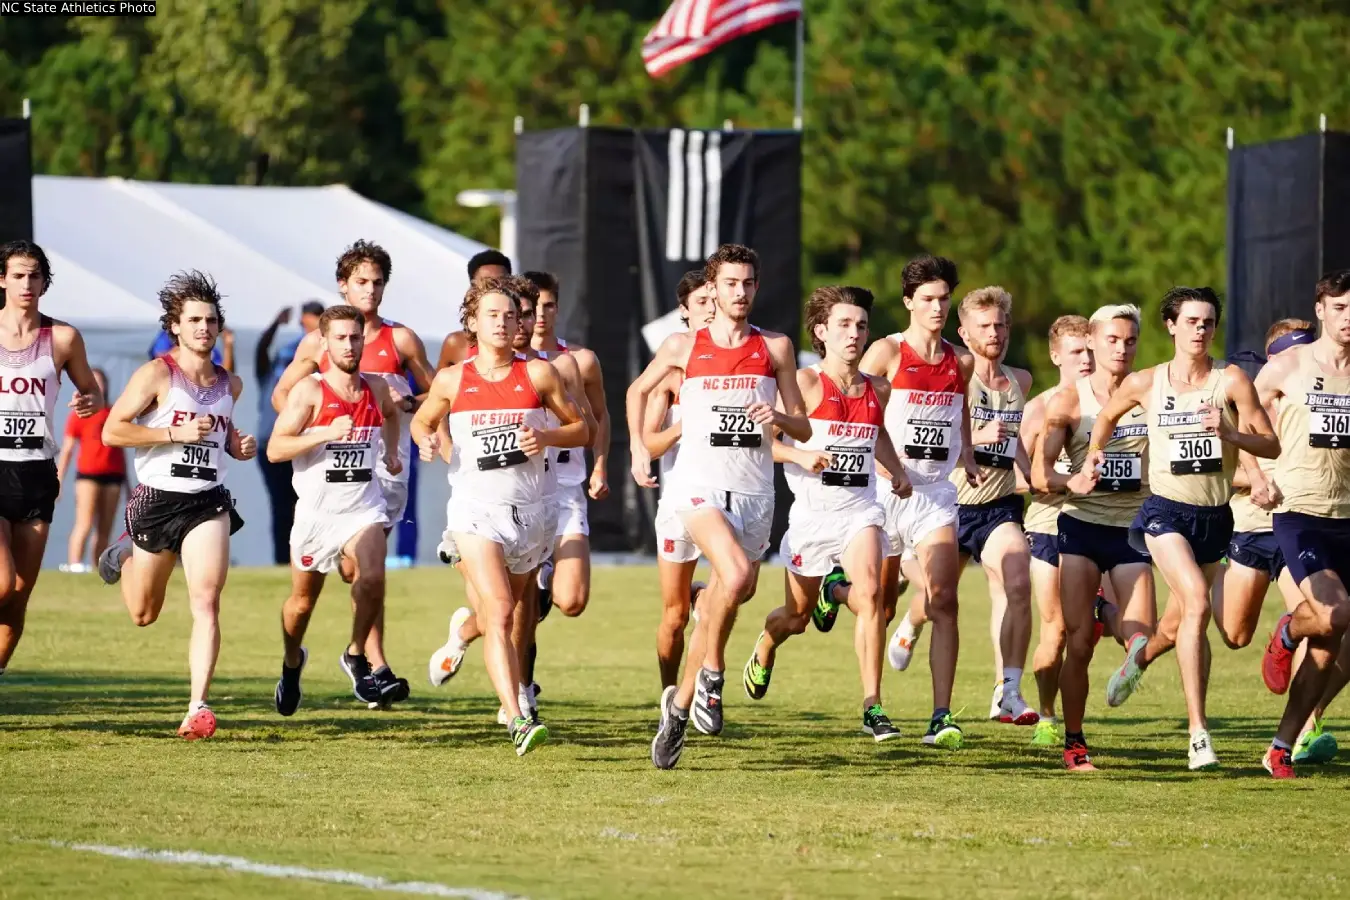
801,55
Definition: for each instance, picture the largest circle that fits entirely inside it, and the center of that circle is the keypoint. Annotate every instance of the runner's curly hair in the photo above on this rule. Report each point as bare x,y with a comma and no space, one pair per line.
468,311
182,288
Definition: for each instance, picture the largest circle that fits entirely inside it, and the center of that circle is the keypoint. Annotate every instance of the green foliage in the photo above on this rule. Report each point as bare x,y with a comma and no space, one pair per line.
1071,150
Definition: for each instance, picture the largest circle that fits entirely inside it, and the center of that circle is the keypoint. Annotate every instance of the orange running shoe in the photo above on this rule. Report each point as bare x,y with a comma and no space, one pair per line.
1278,662
1076,758
1279,763
198,725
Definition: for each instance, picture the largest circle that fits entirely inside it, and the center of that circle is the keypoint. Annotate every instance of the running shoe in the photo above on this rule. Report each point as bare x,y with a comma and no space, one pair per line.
358,670
392,688
1279,763
755,677
707,711
1046,734
1124,681
996,703
878,724
1202,758
525,699
669,741
113,557
944,732
448,553
1315,746
446,661
826,609
288,686
900,650
527,734
1278,663
1013,710
544,581
1076,758
198,724
1099,616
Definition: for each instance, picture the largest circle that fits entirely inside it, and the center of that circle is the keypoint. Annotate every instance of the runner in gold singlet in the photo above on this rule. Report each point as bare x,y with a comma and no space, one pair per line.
1311,385
1200,414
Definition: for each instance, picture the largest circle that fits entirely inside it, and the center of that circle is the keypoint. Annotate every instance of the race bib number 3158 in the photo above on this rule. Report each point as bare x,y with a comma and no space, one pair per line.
1121,473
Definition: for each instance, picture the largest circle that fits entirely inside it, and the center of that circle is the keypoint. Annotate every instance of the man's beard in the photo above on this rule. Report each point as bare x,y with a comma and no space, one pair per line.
351,366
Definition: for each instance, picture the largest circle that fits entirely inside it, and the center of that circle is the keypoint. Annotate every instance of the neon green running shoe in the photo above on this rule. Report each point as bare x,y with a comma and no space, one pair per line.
826,610
944,732
527,734
1047,734
1315,746
755,677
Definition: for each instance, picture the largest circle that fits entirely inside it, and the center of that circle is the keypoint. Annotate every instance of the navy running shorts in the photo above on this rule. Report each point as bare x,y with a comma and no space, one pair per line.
1257,550
1313,543
1044,547
1206,528
1108,546
976,521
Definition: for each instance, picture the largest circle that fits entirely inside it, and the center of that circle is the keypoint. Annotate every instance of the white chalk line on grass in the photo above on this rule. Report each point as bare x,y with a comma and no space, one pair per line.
271,870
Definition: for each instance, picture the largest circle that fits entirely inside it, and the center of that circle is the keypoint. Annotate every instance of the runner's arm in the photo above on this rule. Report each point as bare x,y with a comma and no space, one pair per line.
593,380
141,391
1130,394
670,356
414,354
571,430
304,365
657,440
1253,433
791,419
89,398
239,445
389,427
1060,414
286,442
429,420
453,350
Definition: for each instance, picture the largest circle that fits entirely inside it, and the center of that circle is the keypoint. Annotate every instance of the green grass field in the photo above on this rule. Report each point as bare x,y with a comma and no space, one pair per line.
792,801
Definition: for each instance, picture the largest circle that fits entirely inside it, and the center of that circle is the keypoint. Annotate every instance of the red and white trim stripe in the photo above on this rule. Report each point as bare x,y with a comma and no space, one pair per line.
692,28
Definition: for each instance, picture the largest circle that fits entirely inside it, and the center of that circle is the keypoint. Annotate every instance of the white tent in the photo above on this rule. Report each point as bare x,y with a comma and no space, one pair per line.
112,243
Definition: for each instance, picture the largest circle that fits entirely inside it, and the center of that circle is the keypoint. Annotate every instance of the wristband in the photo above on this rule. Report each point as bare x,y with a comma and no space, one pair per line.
1094,447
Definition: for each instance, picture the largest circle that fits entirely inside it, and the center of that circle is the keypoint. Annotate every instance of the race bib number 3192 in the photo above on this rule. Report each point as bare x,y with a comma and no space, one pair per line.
23,430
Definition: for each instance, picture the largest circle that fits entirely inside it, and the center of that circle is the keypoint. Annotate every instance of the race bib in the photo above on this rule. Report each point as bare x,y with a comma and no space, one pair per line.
1195,453
927,439
734,428
997,456
23,430
1121,473
346,463
499,447
196,461
1329,421
850,467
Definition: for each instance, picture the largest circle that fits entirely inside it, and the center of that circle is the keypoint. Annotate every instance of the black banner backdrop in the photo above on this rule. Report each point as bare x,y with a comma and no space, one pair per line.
1288,223
16,180
619,215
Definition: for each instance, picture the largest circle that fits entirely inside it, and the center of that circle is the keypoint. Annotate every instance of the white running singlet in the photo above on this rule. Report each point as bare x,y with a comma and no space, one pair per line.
380,358
488,465
338,477
924,413
29,386
199,466
846,428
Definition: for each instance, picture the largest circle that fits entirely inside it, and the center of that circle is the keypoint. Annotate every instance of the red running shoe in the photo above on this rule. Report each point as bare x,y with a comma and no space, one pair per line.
1076,758
198,725
1278,662
1279,763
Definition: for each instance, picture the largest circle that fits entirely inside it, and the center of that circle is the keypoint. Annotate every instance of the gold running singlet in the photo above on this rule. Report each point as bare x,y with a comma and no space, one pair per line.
1123,485
995,460
1188,464
1248,518
1313,471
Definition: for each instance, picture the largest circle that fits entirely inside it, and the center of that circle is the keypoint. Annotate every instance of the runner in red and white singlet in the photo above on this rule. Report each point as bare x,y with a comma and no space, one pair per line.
177,413
835,542
34,351
733,373
930,425
499,521
390,350
339,430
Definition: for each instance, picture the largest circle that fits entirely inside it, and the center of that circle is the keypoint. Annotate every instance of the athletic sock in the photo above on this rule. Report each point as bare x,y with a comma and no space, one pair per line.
529,662
940,712
1288,642
1012,677
1074,737
195,705
1280,745
678,711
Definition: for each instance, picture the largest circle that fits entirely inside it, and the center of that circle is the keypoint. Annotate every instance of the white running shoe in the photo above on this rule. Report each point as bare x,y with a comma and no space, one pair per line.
1013,710
1202,757
900,650
996,704
1125,680
446,661
111,560
544,578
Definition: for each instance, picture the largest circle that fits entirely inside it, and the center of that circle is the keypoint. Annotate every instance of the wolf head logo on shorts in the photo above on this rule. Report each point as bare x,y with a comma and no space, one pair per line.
668,546
306,560
797,560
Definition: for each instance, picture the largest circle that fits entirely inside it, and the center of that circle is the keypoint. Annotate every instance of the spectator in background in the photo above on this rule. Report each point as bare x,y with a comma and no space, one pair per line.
221,355
100,473
488,264
277,476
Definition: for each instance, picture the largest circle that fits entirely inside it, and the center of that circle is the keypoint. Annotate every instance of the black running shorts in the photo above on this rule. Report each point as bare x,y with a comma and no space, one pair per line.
160,520
28,490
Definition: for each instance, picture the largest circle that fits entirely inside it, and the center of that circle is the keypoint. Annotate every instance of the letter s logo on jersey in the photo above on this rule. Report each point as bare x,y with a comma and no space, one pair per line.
306,560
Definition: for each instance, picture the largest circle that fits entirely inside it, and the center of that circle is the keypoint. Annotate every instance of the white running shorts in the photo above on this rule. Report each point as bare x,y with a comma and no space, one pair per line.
815,541
395,496
573,510
750,515
317,538
909,521
525,533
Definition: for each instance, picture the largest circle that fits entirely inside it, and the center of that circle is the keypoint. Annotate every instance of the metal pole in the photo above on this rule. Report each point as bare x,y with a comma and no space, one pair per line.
801,56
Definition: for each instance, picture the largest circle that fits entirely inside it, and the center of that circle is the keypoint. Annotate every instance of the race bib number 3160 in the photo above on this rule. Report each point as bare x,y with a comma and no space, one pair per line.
1195,453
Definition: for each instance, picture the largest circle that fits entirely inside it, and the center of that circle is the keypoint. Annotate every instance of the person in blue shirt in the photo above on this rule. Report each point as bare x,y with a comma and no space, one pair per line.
267,367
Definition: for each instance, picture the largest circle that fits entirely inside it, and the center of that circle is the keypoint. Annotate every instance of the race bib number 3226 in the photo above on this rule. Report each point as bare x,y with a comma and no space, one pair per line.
928,439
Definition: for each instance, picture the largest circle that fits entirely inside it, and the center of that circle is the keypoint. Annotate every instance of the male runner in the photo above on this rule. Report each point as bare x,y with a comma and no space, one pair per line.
928,416
1095,522
565,581
834,542
1070,354
34,351
390,350
498,521
1199,416
176,412
329,430
486,265
1311,385
733,374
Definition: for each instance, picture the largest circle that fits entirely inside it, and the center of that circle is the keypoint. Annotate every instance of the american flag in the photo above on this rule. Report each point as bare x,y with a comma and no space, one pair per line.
691,28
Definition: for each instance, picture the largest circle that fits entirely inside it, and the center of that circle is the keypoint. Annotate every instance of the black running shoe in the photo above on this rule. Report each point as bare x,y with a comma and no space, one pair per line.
392,688
288,687
669,741
707,711
358,670
878,724
826,609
